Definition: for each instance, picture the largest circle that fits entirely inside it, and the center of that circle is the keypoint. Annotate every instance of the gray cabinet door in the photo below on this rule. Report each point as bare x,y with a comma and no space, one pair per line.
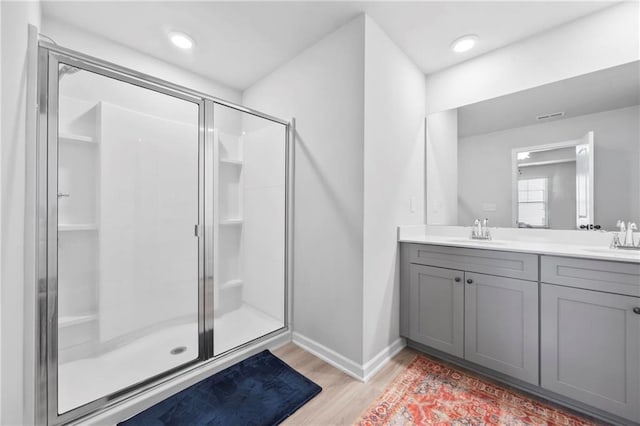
591,348
501,325
436,308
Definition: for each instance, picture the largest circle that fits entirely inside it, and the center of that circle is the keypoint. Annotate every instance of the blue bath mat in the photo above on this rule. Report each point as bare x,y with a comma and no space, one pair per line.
261,390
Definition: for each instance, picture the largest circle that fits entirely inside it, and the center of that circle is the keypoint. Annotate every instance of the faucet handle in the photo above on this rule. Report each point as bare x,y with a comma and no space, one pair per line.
474,228
615,242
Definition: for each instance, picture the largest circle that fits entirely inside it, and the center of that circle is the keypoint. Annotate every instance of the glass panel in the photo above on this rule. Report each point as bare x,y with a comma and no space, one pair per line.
127,253
249,233
532,202
537,184
536,195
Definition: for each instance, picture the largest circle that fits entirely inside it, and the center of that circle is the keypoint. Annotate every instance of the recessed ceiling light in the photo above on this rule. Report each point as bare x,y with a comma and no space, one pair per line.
464,43
181,40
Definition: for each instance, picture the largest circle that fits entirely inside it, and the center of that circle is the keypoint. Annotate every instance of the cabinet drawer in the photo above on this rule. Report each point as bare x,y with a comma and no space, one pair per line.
600,275
500,263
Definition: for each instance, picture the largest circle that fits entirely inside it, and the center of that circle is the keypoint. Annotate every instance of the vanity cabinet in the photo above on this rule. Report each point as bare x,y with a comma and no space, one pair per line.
590,333
569,326
456,306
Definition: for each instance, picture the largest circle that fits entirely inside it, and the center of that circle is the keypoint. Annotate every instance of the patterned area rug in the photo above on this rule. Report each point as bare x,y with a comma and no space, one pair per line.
429,392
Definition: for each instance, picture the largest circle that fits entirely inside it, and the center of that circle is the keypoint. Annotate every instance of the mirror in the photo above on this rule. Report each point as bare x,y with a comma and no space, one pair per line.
564,155
552,185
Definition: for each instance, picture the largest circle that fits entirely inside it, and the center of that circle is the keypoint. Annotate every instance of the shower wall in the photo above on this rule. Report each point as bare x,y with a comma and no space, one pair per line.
264,206
125,213
249,228
78,261
111,291
128,279
144,195
128,187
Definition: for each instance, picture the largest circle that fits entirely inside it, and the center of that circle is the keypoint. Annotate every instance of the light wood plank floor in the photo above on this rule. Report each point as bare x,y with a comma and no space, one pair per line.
343,398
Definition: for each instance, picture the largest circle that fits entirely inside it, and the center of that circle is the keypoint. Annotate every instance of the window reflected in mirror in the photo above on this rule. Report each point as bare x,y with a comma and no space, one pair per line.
533,203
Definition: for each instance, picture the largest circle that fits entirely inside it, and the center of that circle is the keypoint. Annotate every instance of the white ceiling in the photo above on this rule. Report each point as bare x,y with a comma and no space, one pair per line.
604,90
237,42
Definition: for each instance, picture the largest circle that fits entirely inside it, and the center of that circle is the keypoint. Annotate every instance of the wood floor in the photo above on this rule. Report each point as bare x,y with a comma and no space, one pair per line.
343,398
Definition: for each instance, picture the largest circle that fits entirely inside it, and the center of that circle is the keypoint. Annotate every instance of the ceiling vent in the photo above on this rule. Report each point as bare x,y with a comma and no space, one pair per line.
550,116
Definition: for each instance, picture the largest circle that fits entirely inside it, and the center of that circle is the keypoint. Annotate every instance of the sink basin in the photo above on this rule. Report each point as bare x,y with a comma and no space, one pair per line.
470,241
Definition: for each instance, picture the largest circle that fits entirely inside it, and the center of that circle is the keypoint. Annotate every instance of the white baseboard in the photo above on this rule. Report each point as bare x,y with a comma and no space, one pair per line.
352,368
329,356
374,365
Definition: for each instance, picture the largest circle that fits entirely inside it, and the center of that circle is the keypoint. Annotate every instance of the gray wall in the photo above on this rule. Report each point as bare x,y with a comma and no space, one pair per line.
17,224
484,165
323,89
359,108
393,176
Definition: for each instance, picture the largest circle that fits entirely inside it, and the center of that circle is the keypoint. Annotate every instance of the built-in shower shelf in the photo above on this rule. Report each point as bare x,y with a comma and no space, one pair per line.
231,222
231,283
68,137
70,321
77,227
231,162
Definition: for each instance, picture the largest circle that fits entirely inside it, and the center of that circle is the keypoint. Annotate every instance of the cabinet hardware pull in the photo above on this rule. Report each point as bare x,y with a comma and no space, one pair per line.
469,281
636,310
457,279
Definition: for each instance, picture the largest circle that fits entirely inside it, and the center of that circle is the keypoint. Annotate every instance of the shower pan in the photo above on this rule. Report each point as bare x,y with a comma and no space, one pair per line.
163,231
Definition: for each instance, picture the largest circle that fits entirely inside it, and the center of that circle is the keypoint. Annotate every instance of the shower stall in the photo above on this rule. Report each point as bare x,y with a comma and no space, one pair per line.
163,229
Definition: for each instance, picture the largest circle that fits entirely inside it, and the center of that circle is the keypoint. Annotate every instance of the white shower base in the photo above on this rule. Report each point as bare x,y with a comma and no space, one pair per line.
88,379
240,326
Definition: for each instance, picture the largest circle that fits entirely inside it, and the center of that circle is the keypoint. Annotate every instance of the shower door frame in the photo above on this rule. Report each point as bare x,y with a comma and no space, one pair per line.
49,57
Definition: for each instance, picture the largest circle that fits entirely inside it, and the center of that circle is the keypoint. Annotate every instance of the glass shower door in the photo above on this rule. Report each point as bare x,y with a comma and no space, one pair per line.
126,185
249,205
163,219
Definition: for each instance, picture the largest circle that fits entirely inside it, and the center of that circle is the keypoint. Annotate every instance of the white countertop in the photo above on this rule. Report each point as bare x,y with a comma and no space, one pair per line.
589,247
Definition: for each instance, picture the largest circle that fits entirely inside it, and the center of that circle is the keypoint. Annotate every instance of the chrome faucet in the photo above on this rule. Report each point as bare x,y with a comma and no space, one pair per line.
623,239
628,237
480,230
